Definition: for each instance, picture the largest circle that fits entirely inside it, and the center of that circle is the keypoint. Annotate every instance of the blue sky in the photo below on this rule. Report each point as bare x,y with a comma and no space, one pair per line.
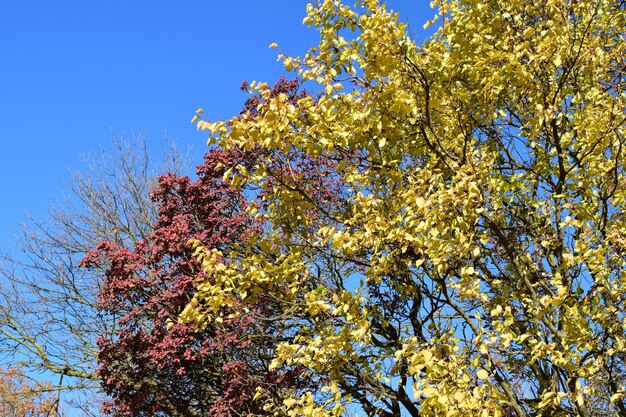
73,72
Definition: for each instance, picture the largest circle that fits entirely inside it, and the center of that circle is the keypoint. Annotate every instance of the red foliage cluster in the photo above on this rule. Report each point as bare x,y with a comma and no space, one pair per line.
283,86
153,365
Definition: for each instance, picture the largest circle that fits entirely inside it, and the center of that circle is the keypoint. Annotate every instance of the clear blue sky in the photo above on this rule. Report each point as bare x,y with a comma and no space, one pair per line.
73,71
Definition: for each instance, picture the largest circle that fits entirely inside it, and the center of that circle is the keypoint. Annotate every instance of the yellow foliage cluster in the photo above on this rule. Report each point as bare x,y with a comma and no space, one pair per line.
475,264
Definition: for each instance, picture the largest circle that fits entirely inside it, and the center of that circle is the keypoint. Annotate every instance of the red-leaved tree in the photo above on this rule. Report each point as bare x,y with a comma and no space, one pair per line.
156,366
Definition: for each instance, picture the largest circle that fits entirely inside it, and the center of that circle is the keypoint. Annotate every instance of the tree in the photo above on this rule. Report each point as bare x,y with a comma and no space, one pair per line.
21,398
472,262
49,315
155,365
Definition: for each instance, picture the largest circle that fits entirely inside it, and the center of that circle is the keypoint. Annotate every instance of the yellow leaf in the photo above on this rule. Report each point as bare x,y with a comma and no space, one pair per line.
482,374
616,397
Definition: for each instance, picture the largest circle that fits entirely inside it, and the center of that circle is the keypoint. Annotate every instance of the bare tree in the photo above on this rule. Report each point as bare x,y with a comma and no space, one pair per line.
49,317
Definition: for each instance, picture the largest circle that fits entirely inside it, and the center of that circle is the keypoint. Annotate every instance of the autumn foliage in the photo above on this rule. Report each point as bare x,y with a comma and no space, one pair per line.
438,230
21,397
156,365
471,261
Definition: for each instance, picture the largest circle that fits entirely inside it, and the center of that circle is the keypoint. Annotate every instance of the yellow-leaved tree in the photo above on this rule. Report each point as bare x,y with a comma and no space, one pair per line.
457,247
